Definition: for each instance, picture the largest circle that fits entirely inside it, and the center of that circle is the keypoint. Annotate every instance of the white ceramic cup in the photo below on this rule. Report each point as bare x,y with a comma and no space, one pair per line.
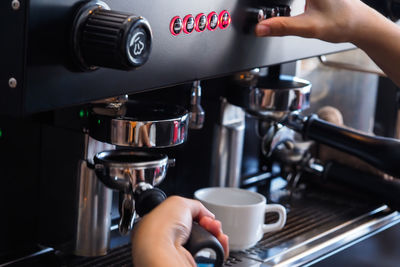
242,214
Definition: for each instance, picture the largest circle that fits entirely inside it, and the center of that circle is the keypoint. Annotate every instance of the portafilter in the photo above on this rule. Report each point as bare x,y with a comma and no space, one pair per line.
269,98
279,99
135,173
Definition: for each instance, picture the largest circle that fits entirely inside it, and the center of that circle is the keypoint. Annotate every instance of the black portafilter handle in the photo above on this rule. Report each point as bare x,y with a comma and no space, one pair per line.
386,190
382,153
199,239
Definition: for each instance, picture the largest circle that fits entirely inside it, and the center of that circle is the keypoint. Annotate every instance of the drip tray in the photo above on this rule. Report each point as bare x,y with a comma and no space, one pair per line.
318,225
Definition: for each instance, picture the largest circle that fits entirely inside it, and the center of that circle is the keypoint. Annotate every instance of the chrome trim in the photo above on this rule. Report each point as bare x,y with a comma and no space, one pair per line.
227,153
41,252
268,98
92,234
347,66
123,169
158,133
332,242
318,244
263,101
94,209
197,114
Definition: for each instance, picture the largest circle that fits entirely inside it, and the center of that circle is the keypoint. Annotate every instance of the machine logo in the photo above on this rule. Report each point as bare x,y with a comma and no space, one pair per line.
137,43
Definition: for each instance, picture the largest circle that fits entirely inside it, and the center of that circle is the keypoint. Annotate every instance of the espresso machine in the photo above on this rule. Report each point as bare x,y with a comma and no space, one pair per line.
100,98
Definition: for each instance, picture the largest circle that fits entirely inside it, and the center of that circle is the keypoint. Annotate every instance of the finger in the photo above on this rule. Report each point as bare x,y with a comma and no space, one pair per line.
224,240
199,211
211,225
302,25
214,227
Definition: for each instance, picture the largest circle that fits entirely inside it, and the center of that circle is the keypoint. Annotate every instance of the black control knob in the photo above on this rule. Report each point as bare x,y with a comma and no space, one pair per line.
111,39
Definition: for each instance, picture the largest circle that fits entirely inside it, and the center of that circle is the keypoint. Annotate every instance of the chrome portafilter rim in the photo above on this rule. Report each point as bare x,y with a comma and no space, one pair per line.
122,170
271,99
149,125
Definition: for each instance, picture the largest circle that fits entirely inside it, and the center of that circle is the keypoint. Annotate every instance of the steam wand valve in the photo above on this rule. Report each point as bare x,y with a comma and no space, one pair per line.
197,113
148,197
381,152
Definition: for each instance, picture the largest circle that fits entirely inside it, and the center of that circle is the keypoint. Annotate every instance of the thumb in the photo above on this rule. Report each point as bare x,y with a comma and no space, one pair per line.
301,25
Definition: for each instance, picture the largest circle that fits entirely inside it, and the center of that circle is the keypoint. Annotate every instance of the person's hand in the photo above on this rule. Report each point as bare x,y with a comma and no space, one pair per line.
329,20
159,237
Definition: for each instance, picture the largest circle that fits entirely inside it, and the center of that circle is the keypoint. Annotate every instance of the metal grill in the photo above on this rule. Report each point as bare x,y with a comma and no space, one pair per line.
121,257
312,222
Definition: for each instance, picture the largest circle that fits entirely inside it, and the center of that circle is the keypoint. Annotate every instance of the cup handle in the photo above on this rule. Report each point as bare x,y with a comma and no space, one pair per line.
281,221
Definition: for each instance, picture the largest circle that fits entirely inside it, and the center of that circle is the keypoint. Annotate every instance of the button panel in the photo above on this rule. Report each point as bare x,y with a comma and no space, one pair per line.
200,23
188,24
176,25
224,19
213,21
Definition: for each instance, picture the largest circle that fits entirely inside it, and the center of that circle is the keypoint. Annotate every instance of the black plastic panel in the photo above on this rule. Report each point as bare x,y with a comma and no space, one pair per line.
175,59
12,60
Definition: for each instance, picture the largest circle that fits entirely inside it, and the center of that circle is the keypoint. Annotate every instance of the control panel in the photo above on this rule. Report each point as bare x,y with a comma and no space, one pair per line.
83,51
200,23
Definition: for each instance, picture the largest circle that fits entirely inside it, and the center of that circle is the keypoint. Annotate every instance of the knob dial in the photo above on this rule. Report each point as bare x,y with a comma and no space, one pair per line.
105,38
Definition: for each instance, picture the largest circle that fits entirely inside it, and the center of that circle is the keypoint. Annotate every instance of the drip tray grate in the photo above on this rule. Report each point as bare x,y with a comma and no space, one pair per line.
316,226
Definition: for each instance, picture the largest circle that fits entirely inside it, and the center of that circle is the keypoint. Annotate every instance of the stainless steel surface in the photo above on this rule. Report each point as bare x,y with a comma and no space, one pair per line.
12,82
123,169
316,228
17,261
94,206
94,209
228,147
267,97
347,66
265,102
197,114
352,93
157,133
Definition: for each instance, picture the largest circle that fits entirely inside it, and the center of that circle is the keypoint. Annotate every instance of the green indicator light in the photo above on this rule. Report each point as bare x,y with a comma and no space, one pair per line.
99,122
82,113
1,133
87,113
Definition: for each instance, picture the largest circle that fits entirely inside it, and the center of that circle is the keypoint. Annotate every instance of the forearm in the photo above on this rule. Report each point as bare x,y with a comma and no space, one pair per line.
380,39
344,21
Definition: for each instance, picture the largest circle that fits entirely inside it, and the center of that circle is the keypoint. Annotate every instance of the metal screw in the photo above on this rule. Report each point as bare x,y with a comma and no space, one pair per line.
15,4
12,82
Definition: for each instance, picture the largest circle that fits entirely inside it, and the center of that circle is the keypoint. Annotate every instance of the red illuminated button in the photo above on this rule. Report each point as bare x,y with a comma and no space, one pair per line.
212,20
176,25
201,22
188,24
224,19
